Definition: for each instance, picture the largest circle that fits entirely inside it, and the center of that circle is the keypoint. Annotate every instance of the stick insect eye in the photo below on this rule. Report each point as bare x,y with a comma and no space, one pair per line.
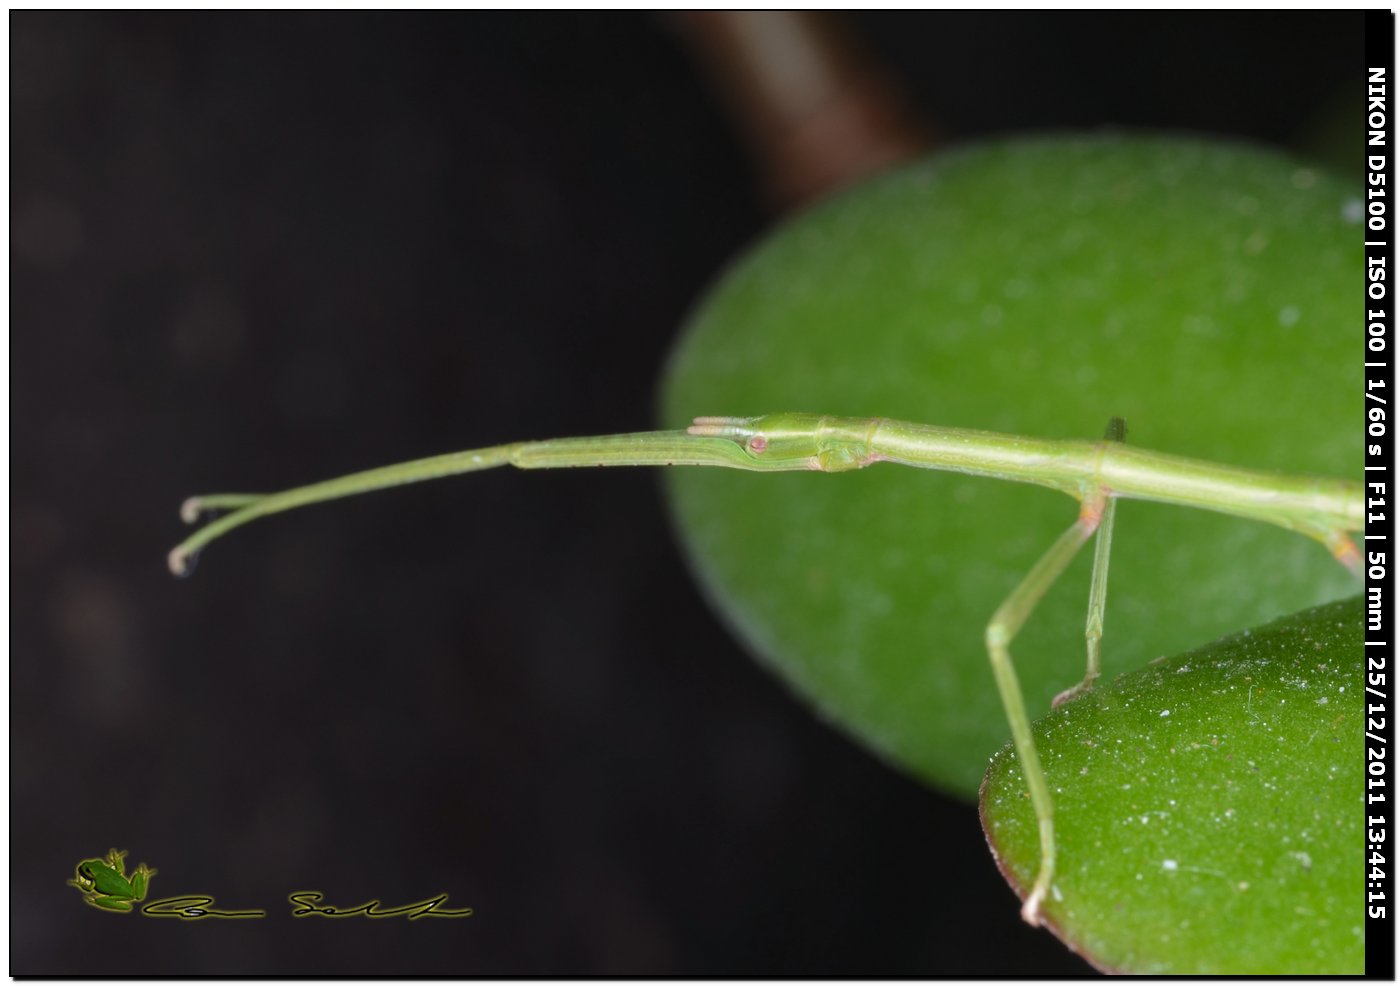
757,444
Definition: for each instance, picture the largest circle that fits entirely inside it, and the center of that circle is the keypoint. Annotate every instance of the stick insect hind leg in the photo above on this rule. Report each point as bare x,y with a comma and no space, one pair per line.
1095,515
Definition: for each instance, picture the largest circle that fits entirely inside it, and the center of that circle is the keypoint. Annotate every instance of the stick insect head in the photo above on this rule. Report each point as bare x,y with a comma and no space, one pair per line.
776,441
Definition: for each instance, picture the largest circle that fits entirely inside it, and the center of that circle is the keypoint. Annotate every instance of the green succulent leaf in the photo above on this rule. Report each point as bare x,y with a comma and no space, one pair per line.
1205,291
1208,808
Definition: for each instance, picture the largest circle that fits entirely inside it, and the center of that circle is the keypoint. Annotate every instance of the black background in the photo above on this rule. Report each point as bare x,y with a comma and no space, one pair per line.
252,250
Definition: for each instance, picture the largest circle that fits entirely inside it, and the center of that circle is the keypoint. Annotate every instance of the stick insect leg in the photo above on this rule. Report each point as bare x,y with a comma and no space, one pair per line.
1098,586
1005,624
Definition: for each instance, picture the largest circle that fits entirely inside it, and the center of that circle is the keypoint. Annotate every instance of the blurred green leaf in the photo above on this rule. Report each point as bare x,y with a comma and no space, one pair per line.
1208,809
1206,291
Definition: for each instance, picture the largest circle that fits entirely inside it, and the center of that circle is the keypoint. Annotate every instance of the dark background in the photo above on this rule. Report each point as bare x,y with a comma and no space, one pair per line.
249,251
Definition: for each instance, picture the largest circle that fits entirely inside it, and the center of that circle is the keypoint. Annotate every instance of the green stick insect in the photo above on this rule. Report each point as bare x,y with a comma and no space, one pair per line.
1096,474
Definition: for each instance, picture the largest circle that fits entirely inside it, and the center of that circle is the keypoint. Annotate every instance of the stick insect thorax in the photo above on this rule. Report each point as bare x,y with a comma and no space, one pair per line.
830,444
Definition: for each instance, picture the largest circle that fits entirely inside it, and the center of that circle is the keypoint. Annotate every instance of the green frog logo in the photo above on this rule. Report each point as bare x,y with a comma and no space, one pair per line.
104,883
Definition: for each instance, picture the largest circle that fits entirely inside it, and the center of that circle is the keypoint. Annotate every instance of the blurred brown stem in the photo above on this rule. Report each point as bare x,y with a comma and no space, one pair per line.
815,108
